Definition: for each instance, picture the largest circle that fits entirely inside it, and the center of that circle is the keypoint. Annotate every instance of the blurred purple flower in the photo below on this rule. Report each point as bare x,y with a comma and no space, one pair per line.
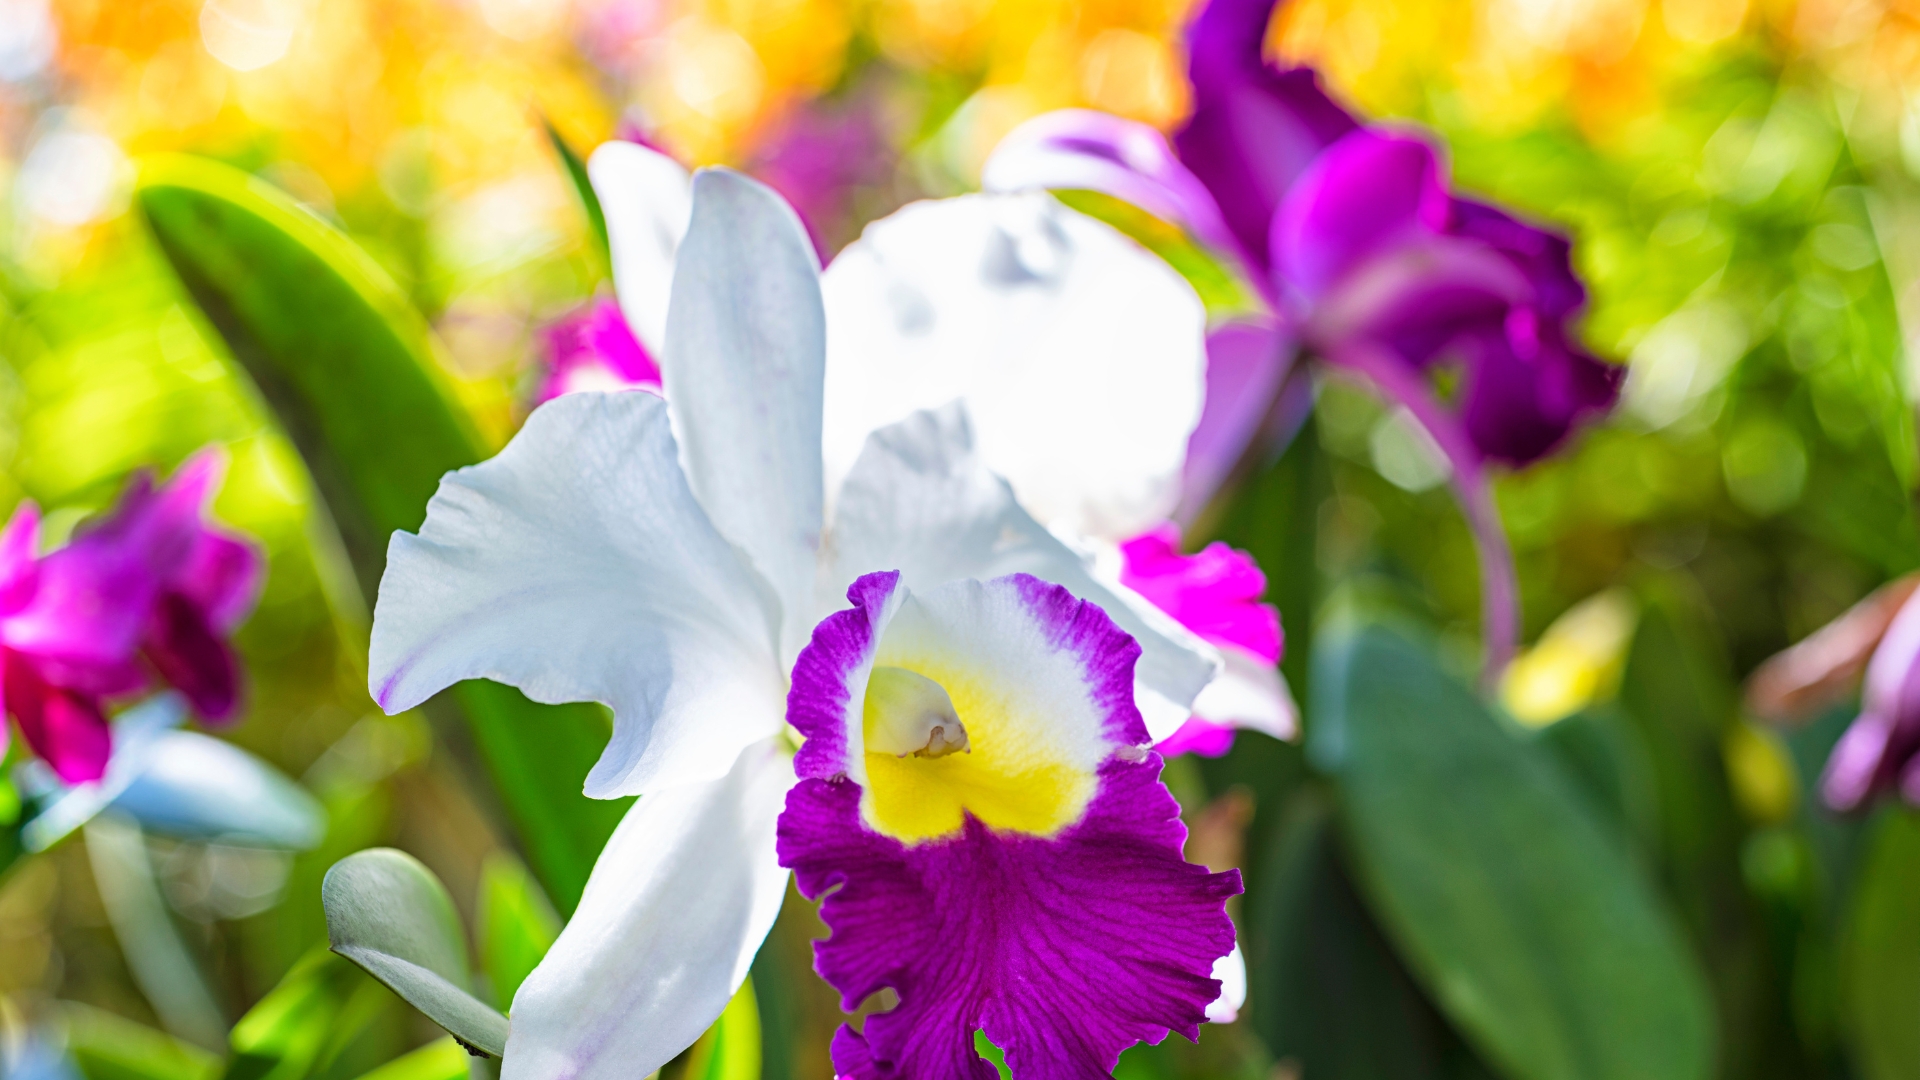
820,157
1881,750
150,590
595,349
1365,259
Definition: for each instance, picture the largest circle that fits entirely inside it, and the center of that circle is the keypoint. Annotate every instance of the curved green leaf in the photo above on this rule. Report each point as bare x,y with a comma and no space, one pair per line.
1522,917
390,915
582,188
517,925
1882,959
348,365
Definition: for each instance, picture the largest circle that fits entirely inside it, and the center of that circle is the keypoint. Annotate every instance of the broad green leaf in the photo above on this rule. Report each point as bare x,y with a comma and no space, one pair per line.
1522,918
110,1047
517,925
1882,958
730,1049
444,1059
582,187
390,915
348,365
1327,990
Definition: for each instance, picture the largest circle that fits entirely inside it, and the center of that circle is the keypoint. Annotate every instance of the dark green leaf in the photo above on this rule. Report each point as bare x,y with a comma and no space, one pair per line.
1327,992
1882,960
517,925
582,187
390,915
348,366
1519,914
109,1047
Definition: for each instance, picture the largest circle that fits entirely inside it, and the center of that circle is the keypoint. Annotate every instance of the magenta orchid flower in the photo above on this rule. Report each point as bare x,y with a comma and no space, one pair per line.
595,349
148,593
1364,258
1216,594
990,838
670,556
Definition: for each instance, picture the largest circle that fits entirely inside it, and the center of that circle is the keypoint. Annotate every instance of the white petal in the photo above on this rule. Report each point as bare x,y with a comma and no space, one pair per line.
920,501
678,904
1250,694
646,198
1231,970
1080,355
746,340
577,566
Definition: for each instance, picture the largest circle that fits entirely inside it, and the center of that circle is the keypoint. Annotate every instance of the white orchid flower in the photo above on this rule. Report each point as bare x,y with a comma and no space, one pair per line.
1080,357
668,558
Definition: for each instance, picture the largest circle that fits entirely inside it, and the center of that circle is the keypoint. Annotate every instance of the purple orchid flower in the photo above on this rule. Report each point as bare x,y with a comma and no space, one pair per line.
1363,257
991,840
1881,751
150,591
1216,594
595,349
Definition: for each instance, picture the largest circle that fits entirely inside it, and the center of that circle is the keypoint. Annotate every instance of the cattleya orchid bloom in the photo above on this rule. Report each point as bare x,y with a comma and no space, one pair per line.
670,556
1363,257
1030,314
989,837
147,593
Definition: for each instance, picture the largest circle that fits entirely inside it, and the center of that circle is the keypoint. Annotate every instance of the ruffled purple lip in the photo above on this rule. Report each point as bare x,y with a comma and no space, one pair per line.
1017,935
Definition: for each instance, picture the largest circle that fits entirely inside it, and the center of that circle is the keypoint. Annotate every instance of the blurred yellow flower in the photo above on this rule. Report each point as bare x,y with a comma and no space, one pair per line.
1575,663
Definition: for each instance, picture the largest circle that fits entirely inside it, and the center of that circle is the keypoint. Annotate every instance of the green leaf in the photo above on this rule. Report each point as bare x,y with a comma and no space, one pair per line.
1882,957
348,366
582,187
110,1047
517,925
1520,915
444,1059
1327,990
285,1032
730,1049
390,915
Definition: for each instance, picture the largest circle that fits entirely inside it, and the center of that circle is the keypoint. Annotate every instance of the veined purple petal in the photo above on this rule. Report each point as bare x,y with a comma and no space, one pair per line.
1020,913
1096,151
594,349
